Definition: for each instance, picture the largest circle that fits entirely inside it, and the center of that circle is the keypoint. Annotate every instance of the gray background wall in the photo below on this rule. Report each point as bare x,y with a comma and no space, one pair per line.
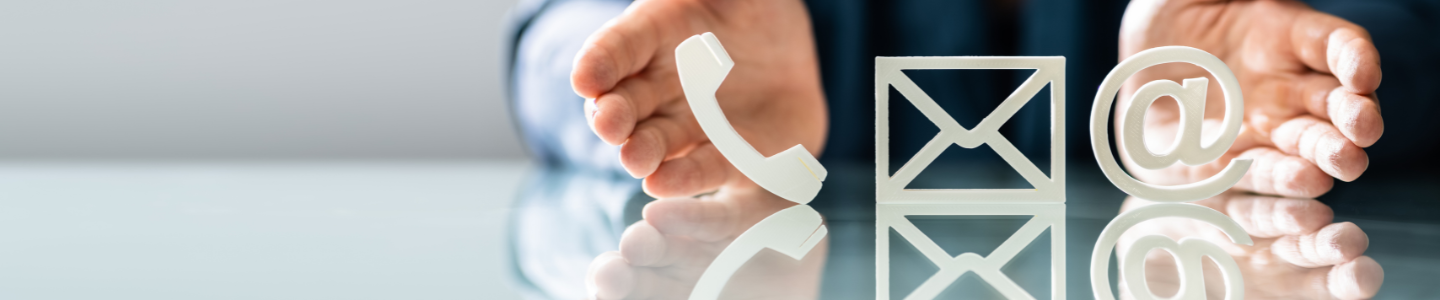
174,79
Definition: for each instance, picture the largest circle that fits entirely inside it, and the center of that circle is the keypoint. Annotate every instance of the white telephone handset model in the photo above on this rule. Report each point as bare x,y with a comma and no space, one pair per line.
792,174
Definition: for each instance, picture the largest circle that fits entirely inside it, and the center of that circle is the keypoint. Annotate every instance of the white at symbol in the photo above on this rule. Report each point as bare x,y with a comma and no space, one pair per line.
1188,148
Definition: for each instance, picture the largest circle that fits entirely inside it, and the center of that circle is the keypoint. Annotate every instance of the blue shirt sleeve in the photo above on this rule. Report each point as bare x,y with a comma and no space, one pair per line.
579,199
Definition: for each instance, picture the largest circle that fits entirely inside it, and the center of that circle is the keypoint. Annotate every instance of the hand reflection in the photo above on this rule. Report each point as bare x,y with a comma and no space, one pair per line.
1298,252
663,256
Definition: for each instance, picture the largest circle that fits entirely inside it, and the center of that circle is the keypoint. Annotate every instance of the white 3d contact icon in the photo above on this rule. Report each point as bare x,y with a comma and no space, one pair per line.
795,175
792,174
894,203
1188,149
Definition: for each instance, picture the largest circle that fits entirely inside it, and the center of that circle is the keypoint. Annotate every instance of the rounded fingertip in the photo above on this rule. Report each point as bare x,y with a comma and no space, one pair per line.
1358,279
1299,178
611,277
1341,159
1354,61
1354,161
613,119
1341,242
642,154
593,72
1362,122
642,245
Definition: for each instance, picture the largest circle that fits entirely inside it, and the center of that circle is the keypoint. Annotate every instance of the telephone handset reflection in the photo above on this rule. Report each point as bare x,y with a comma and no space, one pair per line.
793,174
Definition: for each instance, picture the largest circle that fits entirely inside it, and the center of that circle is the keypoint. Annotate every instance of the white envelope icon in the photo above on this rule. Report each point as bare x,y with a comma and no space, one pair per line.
1046,201
1048,70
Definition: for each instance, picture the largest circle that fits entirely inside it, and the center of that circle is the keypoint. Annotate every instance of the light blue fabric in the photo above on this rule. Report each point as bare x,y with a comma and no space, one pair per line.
574,206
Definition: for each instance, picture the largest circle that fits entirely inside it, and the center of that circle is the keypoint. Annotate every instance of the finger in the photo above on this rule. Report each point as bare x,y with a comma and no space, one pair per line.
614,114
1357,279
702,219
1356,116
1267,217
1321,143
620,48
1332,45
702,170
1333,244
657,139
1275,173
644,246
1354,60
609,277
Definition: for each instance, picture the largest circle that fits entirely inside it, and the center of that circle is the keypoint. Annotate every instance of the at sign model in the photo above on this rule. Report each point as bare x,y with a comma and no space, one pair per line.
1188,149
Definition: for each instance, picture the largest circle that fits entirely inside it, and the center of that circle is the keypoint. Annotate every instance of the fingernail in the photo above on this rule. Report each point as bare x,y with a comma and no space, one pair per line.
590,108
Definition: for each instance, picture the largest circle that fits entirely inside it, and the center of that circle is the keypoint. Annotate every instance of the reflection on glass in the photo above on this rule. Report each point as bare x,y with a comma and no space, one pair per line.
1299,252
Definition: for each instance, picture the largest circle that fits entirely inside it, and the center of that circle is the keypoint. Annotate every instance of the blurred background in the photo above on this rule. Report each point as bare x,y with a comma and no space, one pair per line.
357,149
364,149
366,79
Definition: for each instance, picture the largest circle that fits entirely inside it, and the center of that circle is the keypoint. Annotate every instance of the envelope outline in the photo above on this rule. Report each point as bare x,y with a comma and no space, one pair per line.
1047,189
1046,216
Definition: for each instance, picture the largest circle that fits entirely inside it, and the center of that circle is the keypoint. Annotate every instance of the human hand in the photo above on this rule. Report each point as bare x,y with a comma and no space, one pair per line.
1309,83
772,97
1297,253
663,256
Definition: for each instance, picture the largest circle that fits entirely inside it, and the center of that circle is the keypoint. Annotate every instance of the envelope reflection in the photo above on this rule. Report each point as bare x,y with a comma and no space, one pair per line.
1046,201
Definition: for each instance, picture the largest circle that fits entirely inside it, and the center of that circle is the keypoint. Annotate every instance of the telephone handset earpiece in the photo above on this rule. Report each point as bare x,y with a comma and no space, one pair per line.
792,174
